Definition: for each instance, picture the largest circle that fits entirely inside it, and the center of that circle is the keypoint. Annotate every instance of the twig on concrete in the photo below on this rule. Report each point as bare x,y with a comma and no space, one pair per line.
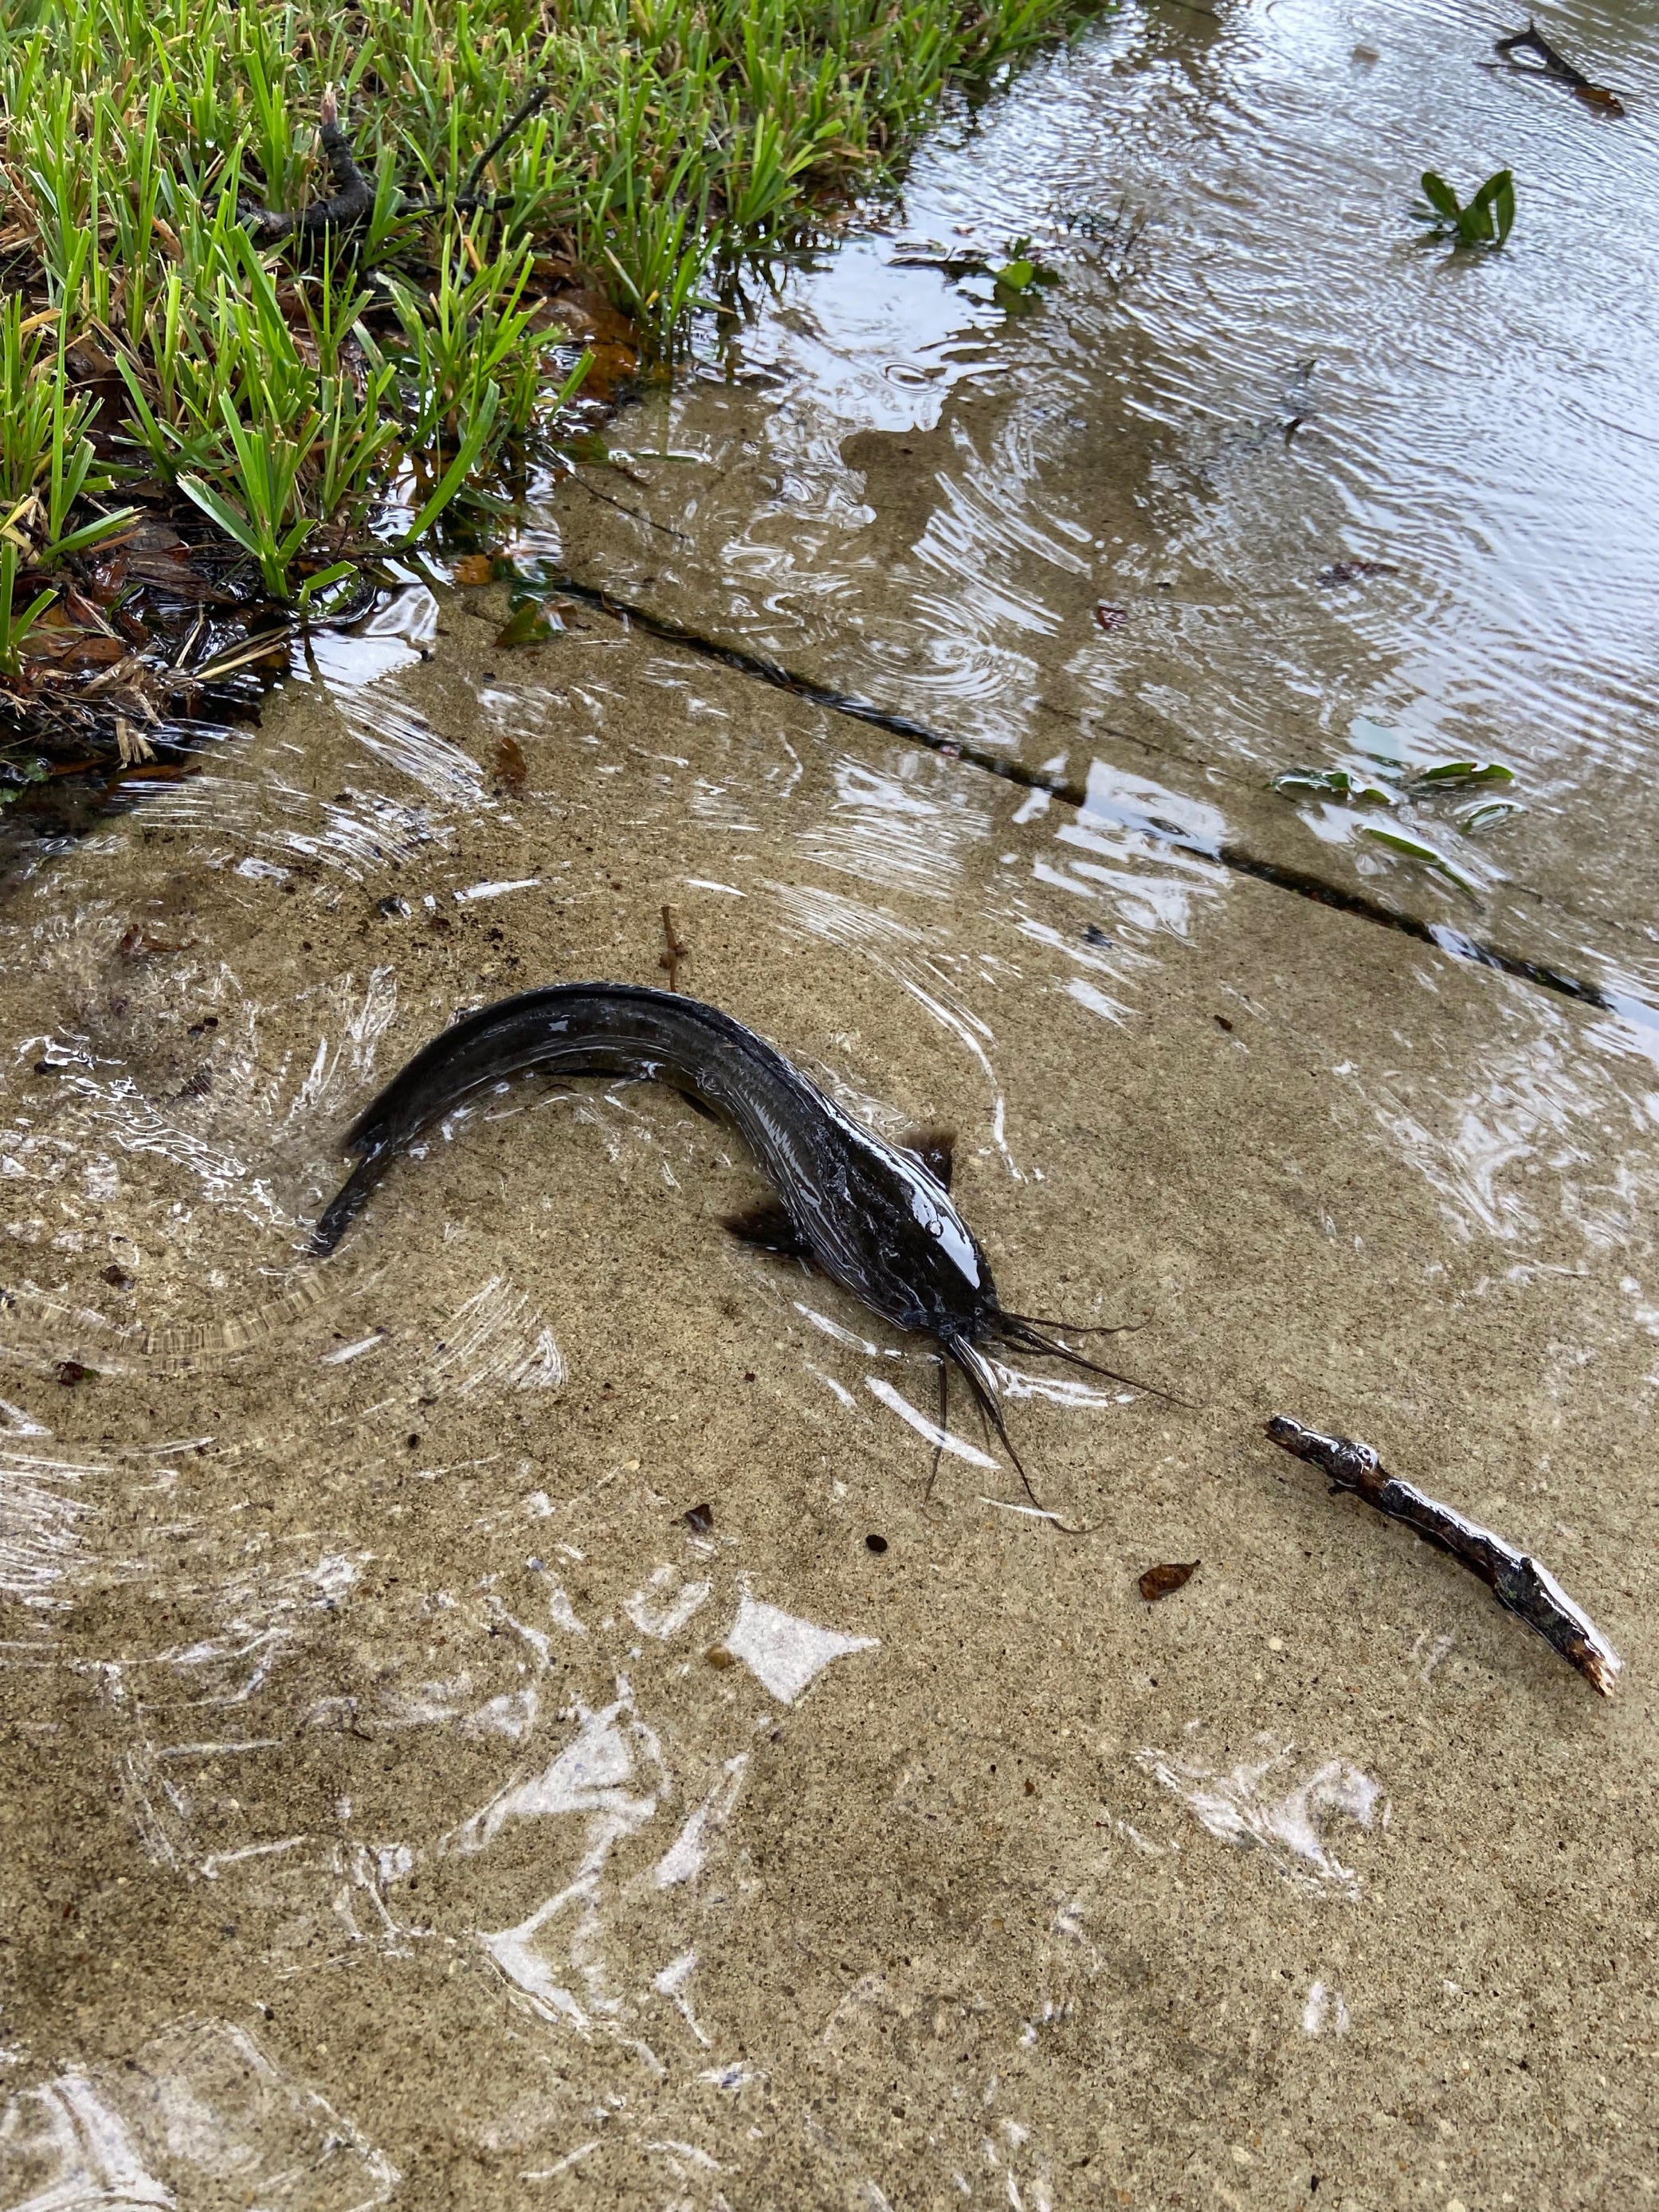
1514,1578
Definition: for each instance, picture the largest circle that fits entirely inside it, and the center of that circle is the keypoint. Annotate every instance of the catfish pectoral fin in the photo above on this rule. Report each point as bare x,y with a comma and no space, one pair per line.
769,1229
936,1149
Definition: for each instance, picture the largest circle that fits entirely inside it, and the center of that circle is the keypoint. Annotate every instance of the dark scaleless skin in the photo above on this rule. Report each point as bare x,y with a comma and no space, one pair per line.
875,1217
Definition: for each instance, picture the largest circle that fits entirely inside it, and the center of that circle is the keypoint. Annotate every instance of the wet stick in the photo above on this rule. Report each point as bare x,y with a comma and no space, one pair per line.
1550,64
352,202
1514,1578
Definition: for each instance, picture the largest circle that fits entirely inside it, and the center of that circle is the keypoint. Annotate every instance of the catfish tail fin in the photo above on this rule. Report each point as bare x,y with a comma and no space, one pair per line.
347,1203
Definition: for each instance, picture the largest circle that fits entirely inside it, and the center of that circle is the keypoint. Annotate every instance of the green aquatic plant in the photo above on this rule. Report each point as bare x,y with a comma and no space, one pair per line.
17,777
1021,269
16,626
1398,784
1486,219
1335,783
1419,848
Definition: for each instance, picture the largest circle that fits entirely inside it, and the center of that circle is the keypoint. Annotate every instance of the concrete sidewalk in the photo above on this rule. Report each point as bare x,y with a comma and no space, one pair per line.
410,1803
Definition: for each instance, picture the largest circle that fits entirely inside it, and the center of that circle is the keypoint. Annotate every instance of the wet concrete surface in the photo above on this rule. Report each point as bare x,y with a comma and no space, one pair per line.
409,1804
504,1716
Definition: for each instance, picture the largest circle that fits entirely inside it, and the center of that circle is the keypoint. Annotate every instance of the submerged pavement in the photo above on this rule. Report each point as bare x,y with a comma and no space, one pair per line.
507,1715
499,1717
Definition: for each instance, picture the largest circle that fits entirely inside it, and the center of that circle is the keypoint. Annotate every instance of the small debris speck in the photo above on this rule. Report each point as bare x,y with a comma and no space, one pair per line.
873,1543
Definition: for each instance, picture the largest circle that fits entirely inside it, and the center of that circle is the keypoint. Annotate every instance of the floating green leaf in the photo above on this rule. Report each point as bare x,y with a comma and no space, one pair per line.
1017,275
1486,221
529,624
1417,848
1335,783
1464,771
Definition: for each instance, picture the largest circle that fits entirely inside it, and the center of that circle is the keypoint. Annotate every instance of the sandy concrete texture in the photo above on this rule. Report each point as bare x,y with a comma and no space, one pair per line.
408,1803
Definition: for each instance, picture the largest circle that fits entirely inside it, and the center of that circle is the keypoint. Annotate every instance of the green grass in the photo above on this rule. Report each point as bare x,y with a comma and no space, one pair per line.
150,349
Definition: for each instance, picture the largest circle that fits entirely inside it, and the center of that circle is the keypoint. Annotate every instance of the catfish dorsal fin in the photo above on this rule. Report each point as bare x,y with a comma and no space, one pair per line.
768,1226
936,1150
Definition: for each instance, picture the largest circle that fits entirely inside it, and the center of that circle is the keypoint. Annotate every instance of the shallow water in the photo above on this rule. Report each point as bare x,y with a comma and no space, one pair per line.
946,483
462,1746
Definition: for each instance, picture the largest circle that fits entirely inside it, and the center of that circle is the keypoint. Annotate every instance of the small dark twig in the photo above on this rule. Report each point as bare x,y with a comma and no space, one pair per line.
1533,41
352,200
1514,1578
1552,64
521,115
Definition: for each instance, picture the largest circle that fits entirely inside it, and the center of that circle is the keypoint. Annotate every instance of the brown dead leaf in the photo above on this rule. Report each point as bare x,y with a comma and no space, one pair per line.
475,568
1163,1582
80,609
73,648
590,321
511,766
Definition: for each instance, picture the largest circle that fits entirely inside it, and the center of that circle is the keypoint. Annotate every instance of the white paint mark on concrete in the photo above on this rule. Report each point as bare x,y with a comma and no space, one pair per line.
684,1859
657,1609
783,1652
941,1439
1237,1807
563,1613
1326,2012
563,2165
496,890
353,1351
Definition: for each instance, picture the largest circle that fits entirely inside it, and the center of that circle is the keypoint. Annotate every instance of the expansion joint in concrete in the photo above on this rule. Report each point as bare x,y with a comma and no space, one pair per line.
1302,881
